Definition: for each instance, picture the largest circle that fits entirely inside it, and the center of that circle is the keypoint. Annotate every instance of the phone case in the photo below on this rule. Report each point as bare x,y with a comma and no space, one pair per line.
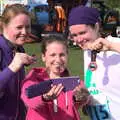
38,89
69,83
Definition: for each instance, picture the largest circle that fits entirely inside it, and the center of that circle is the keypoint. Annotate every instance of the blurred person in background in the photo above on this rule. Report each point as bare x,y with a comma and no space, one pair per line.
60,18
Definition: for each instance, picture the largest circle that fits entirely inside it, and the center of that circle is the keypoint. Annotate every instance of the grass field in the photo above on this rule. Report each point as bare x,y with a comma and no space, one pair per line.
75,63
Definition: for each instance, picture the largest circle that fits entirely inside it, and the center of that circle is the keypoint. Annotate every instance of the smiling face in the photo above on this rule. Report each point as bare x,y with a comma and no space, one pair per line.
55,58
82,34
17,29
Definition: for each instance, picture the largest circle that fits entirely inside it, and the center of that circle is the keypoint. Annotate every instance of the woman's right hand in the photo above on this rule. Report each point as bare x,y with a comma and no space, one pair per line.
19,60
99,44
53,93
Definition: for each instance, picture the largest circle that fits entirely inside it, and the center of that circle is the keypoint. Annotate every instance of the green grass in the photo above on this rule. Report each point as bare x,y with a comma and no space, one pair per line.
75,63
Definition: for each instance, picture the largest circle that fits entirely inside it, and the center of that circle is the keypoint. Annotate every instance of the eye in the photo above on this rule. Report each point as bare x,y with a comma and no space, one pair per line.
62,54
73,35
53,54
19,27
81,33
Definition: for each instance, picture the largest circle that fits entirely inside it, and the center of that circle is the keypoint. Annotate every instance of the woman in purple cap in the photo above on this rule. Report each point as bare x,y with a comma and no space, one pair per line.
84,30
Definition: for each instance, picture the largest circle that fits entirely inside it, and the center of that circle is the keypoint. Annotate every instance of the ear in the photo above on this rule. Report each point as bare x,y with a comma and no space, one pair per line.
97,27
43,57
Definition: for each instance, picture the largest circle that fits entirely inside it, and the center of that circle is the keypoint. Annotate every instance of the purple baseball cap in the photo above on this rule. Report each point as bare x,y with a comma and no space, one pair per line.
83,15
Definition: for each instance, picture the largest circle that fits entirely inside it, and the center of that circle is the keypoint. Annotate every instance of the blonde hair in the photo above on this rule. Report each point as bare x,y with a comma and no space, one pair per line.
12,11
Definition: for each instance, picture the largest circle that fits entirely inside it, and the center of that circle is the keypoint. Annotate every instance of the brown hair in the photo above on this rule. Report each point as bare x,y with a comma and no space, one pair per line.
11,11
53,38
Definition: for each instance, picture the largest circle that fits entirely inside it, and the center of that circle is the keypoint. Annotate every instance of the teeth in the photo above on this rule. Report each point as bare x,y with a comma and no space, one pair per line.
57,64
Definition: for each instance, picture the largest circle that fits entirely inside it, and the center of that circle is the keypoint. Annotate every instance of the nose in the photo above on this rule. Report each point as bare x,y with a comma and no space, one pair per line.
58,58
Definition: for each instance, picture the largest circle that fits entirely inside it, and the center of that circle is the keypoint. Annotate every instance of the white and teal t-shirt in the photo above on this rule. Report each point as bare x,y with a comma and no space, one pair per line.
103,84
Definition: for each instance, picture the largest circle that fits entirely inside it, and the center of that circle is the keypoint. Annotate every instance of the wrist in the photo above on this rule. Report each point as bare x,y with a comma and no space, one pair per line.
110,46
13,67
83,102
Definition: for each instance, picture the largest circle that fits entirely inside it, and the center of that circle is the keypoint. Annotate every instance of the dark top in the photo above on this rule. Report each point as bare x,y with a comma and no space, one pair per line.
9,83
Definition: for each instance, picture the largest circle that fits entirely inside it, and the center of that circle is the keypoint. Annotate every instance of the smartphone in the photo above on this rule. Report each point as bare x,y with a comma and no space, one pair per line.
69,83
